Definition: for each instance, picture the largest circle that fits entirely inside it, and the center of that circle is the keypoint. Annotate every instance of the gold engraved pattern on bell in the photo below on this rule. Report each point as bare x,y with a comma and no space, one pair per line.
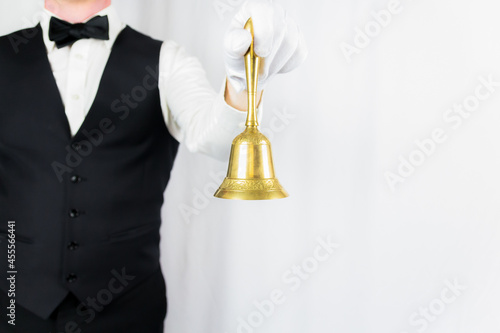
251,185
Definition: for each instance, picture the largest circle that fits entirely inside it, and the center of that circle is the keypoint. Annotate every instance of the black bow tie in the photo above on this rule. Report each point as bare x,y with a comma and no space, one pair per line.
64,33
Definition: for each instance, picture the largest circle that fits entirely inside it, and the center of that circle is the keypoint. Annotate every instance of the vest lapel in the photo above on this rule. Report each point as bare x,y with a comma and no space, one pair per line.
94,116
39,65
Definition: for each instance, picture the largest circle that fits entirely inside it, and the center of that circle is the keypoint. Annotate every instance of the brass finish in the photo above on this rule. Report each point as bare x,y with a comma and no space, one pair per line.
250,174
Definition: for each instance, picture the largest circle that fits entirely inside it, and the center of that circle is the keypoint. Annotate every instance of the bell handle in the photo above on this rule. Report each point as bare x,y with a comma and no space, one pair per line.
252,65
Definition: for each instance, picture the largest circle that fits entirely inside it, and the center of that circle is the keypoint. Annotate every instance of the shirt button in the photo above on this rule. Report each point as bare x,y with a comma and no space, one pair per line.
73,246
79,56
71,278
75,179
75,97
74,213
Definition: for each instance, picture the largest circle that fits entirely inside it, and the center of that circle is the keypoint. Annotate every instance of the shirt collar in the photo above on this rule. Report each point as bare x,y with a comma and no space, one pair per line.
115,26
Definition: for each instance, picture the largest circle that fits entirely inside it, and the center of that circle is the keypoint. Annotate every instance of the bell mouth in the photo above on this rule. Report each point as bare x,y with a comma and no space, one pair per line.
251,189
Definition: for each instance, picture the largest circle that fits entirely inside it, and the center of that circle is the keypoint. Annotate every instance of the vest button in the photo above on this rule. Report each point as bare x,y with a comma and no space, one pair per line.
73,246
74,213
71,277
75,179
76,146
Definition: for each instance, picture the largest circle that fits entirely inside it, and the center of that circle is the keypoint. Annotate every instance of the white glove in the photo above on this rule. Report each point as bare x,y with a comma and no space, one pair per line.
277,39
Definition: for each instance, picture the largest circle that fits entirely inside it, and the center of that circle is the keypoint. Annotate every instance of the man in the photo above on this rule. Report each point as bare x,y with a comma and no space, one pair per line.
91,113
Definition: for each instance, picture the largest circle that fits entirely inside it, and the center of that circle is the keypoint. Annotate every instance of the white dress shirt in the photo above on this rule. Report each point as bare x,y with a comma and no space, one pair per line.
194,113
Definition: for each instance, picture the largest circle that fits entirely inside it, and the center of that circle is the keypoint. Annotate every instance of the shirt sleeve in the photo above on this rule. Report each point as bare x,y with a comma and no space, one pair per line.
195,114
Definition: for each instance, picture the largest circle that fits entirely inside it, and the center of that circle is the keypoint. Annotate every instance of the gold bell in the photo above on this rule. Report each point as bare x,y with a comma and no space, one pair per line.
250,174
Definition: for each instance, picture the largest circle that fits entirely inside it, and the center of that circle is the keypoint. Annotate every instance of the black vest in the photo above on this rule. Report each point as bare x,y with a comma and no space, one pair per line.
86,208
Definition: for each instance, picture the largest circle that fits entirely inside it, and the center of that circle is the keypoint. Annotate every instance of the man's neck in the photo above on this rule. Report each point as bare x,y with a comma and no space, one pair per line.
76,11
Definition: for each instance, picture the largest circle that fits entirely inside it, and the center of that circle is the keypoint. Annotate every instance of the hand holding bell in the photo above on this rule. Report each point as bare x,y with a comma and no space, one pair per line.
250,174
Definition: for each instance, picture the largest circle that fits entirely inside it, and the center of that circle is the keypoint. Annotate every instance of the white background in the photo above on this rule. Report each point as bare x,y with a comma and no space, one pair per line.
337,128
